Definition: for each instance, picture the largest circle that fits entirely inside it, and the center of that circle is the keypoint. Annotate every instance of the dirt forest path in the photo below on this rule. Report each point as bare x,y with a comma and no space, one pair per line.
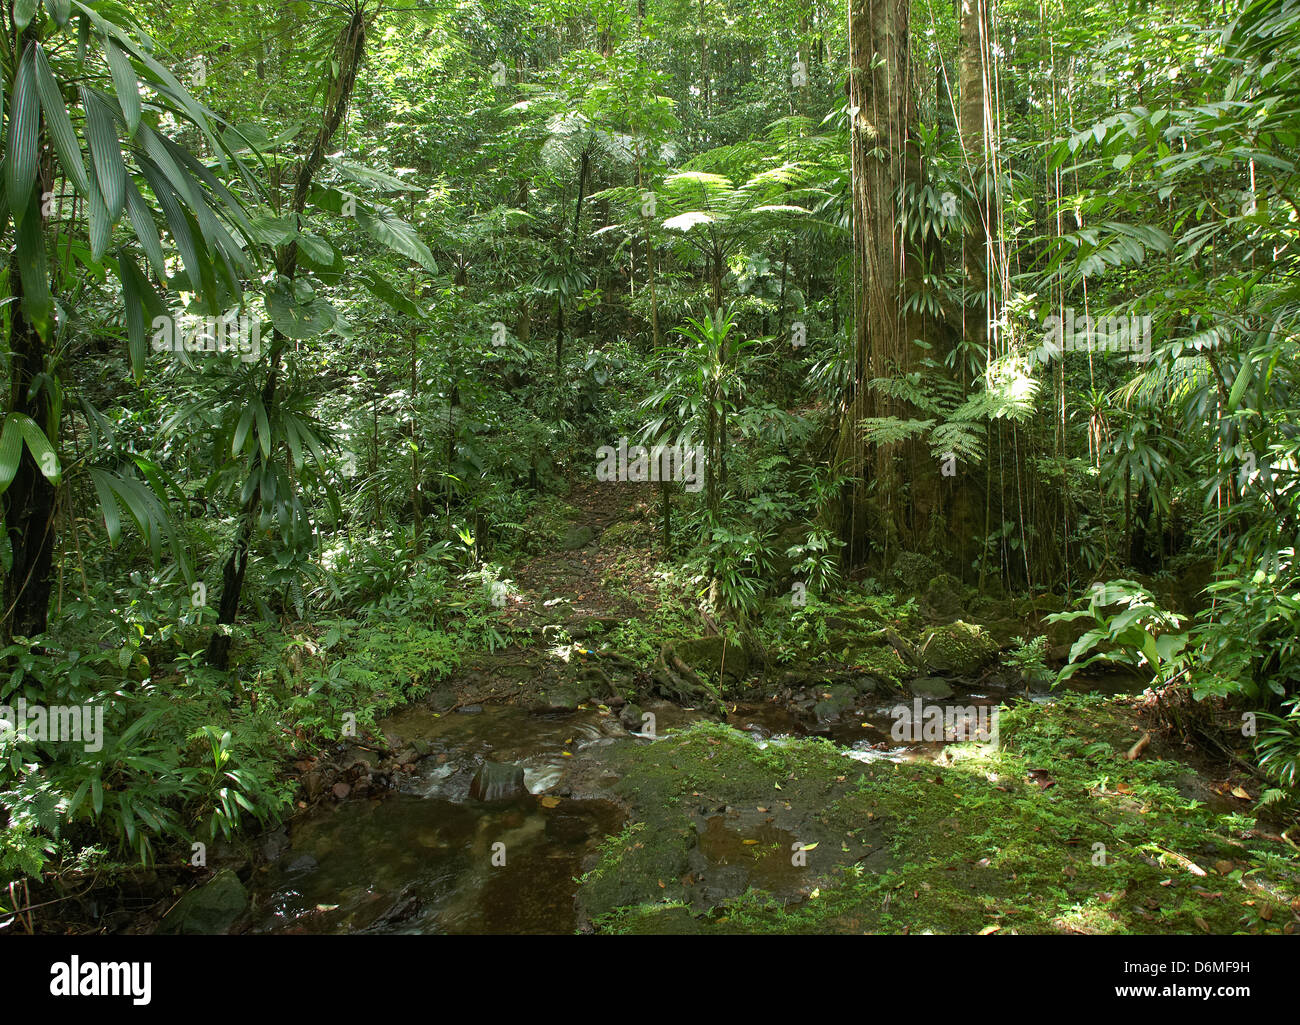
577,580
580,581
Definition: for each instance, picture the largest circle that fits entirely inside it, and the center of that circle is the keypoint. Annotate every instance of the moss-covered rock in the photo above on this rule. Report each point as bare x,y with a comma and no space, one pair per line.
563,697
711,656
882,663
985,844
960,648
209,910
912,571
932,687
943,595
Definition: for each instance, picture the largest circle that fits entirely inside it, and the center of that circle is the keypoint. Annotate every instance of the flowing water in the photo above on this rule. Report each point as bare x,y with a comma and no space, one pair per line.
431,859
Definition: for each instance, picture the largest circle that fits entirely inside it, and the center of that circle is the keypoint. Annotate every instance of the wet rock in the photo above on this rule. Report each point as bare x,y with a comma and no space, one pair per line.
835,701
360,756
497,781
406,756
303,863
341,790
563,698
932,688
569,826
441,699
275,843
470,709
312,784
630,716
209,910
866,685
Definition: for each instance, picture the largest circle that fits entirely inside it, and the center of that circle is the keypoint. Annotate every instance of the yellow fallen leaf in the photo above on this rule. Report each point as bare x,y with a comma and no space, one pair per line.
1239,792
749,843
989,930
567,754
810,846
550,802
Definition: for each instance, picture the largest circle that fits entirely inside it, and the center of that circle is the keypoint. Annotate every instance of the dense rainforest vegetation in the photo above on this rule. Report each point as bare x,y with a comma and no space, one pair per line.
601,447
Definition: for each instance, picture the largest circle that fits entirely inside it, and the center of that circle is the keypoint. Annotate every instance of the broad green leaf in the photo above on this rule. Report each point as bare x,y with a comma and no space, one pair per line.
105,153
24,139
38,304
47,460
11,451
24,12
125,85
295,316
397,235
63,138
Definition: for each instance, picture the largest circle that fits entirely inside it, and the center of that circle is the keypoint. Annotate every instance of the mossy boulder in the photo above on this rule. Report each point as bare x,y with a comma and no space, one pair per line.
912,571
943,595
959,648
933,688
882,664
209,910
709,656
563,697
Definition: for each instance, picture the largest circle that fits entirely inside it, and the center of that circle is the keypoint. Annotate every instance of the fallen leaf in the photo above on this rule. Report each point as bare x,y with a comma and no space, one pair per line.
1239,792
989,930
550,802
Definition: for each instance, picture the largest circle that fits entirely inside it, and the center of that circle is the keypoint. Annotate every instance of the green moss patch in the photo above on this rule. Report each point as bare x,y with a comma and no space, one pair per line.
1056,832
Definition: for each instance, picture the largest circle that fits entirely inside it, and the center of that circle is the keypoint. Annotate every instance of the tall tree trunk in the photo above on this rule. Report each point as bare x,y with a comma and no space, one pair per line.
972,81
881,108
